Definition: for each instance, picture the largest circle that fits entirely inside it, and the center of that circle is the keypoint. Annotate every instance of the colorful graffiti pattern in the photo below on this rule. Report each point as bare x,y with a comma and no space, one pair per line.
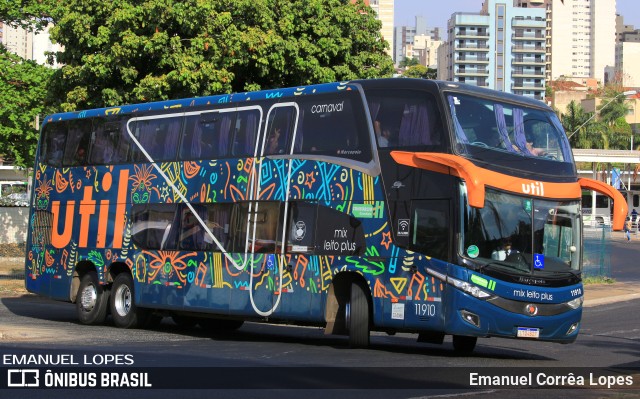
83,209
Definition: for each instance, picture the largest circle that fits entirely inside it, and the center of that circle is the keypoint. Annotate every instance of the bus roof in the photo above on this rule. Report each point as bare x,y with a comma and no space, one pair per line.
387,83
202,101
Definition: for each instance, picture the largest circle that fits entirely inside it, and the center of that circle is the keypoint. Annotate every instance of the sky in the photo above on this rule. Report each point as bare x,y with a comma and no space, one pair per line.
437,12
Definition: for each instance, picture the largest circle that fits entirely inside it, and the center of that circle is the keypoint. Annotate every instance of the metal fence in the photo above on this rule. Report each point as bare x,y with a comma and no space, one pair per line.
597,251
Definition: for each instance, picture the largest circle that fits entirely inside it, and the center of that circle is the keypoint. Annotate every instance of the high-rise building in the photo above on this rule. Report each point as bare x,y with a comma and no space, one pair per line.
580,36
384,12
404,38
27,44
17,40
627,61
502,47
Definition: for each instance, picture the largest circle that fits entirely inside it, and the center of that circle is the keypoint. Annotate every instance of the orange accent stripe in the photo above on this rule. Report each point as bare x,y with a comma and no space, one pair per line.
620,207
477,178
121,208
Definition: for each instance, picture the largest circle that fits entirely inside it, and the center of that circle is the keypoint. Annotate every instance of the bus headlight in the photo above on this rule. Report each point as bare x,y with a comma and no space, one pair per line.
576,303
468,288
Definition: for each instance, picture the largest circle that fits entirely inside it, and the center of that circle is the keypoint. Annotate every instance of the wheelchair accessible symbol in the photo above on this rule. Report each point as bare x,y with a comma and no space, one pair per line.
538,261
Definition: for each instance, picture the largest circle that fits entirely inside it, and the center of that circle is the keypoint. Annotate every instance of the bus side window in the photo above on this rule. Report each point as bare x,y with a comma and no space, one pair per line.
158,137
406,119
151,224
280,129
262,225
245,132
107,142
218,221
76,151
302,227
191,236
206,136
430,228
55,135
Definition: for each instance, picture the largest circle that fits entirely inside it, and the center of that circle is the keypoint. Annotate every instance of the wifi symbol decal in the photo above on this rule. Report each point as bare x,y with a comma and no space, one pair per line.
403,227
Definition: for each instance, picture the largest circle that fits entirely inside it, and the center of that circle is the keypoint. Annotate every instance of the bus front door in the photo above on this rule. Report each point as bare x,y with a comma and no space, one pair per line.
263,216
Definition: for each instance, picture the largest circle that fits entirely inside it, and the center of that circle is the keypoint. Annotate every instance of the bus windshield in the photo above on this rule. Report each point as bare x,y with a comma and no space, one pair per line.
486,126
523,235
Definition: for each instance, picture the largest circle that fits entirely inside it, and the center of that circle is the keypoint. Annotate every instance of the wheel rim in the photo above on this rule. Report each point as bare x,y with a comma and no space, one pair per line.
123,300
88,298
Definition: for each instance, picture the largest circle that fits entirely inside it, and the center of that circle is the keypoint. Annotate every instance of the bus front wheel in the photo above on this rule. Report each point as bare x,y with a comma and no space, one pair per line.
357,317
124,311
92,300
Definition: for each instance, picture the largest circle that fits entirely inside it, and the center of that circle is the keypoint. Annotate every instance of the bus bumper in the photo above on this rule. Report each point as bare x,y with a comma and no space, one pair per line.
475,317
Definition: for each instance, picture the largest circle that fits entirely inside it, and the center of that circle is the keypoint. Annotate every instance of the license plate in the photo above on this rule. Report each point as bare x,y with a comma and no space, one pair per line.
527,332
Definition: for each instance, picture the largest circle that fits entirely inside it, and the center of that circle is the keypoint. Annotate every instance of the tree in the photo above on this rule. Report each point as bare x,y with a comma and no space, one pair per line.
592,133
420,71
408,62
575,124
23,91
128,51
26,13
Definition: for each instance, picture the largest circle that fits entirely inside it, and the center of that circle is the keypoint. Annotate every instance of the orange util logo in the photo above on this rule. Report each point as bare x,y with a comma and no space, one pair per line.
533,188
87,210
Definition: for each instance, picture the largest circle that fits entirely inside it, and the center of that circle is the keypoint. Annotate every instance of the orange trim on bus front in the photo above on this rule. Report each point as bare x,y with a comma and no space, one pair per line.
620,207
477,178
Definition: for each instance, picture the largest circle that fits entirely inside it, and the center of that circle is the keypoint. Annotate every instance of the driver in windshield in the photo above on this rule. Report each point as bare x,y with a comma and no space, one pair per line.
503,251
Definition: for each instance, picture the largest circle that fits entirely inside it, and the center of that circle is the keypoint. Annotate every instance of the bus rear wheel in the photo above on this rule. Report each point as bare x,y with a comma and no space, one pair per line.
357,317
464,345
124,311
92,300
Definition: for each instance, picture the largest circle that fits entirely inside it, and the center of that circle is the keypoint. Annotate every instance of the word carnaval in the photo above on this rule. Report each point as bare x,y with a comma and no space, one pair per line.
550,380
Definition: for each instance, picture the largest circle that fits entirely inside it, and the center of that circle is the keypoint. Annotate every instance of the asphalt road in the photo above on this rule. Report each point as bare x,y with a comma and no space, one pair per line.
610,338
262,360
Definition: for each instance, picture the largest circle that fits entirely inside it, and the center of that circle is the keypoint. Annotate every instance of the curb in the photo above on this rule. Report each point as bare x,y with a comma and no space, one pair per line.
588,303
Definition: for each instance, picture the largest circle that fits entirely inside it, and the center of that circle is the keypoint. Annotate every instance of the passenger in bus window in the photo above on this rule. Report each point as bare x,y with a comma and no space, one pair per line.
383,134
80,157
274,146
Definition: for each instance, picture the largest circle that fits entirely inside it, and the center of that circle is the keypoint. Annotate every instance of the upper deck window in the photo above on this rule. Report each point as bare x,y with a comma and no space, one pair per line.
206,136
158,136
483,126
406,119
333,125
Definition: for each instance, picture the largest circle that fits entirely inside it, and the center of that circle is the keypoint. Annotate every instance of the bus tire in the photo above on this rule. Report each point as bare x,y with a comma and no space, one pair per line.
92,300
124,311
357,317
464,345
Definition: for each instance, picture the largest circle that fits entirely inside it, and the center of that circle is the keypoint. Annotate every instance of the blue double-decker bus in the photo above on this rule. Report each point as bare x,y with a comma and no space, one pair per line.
392,205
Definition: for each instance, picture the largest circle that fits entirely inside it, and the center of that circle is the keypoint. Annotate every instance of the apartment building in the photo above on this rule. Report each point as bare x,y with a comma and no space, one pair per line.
626,64
27,44
404,39
384,12
17,40
501,47
580,36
